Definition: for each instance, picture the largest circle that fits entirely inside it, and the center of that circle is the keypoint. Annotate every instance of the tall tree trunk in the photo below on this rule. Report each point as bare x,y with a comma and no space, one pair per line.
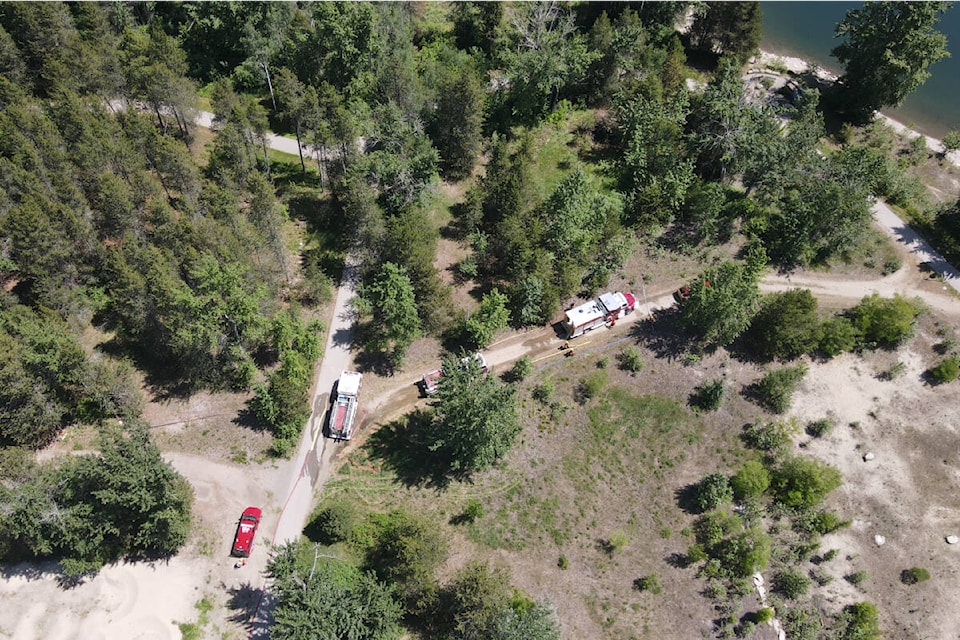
163,126
266,158
303,167
273,98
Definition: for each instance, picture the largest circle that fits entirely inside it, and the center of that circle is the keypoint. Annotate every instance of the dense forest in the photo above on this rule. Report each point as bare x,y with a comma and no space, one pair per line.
114,218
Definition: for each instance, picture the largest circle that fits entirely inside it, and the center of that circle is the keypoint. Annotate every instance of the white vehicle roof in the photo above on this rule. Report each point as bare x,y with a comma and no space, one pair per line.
350,383
613,300
584,313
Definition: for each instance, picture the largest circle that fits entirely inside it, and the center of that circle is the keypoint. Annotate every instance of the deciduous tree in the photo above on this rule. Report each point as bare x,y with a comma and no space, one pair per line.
886,52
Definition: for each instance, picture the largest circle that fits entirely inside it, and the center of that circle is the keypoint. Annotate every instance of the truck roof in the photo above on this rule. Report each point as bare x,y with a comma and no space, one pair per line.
612,301
349,383
584,313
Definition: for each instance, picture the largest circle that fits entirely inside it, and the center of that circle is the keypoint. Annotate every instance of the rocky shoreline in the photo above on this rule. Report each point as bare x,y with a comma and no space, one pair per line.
799,65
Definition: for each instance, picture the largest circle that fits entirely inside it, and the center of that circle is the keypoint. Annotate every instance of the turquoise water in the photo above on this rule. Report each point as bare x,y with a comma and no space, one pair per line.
805,30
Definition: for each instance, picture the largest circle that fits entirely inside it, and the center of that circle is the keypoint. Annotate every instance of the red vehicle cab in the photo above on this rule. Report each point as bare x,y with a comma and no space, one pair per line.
246,532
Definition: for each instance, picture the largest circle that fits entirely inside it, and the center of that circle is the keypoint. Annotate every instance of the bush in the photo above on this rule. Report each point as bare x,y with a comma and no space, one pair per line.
886,322
859,621
914,575
857,577
801,483
820,523
617,541
543,392
775,390
895,371
750,481
472,511
333,523
591,385
708,396
521,369
713,491
791,584
947,370
831,554
786,327
630,360
771,437
649,583
563,562
838,335
764,615
820,428
891,265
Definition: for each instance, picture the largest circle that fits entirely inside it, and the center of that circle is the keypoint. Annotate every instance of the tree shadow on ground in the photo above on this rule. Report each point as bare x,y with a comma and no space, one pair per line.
678,560
404,447
687,498
246,605
662,335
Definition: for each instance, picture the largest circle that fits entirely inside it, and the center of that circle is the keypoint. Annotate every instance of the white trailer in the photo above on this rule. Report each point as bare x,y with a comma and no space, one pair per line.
606,309
344,409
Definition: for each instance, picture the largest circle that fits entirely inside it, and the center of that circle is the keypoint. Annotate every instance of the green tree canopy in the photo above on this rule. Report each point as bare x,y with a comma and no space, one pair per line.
723,300
786,327
475,417
886,52
491,317
94,509
389,301
731,28
330,600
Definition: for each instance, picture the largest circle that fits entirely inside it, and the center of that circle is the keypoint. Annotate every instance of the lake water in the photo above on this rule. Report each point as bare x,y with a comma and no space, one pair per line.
805,30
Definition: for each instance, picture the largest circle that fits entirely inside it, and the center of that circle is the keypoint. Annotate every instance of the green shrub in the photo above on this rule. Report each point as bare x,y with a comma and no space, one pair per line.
563,563
708,396
775,390
591,385
838,335
750,481
333,523
786,327
947,370
472,511
820,428
895,371
791,584
831,554
886,322
859,621
631,360
891,265
617,541
857,577
521,369
821,577
602,362
649,583
771,437
543,392
764,615
696,554
914,575
801,483
820,523
713,491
